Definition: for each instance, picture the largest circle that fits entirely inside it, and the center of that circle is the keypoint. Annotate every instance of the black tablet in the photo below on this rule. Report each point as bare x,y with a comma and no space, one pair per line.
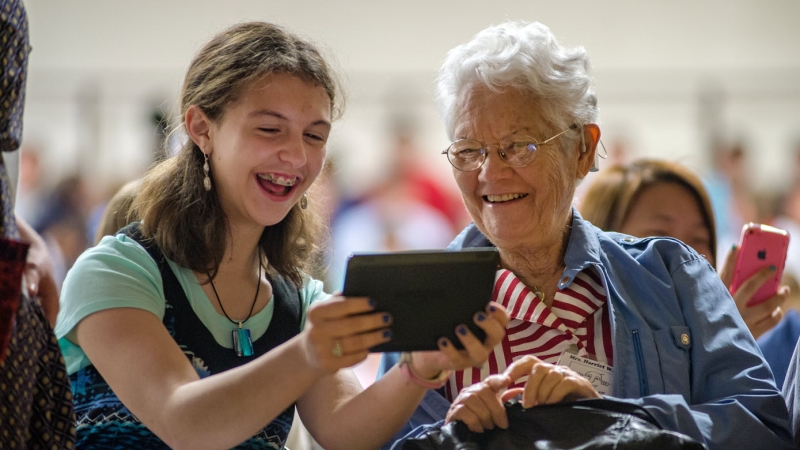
428,293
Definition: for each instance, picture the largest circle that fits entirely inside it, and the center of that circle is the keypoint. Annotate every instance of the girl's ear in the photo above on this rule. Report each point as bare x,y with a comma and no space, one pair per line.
198,127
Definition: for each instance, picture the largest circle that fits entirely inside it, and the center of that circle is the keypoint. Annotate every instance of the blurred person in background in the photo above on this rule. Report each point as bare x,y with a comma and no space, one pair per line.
117,211
778,343
729,190
35,399
147,323
662,198
410,209
521,112
64,224
30,193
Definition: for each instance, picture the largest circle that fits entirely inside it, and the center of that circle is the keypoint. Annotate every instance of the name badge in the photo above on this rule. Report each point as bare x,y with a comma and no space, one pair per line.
599,374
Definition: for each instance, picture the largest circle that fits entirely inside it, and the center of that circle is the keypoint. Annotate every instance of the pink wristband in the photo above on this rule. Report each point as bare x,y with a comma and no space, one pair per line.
409,374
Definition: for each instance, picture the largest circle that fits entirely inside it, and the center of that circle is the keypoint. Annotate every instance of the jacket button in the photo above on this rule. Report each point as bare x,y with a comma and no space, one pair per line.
564,281
685,339
628,239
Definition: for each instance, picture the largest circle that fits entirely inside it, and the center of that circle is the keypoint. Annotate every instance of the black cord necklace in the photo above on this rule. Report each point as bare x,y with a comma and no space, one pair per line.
242,342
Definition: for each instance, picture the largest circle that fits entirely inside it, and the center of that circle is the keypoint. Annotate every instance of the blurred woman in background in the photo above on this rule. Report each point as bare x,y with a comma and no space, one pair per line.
662,198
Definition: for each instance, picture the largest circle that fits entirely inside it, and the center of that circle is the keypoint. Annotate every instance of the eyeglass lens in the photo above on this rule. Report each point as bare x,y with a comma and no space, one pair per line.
469,155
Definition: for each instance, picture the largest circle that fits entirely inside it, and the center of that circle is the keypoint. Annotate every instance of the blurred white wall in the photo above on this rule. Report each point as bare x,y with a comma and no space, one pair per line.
100,67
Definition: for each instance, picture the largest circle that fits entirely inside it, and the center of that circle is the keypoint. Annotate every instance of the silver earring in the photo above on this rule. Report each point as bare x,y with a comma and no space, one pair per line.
206,178
304,202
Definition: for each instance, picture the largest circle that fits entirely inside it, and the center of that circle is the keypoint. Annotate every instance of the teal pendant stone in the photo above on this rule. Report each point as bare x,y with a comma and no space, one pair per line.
242,343
245,347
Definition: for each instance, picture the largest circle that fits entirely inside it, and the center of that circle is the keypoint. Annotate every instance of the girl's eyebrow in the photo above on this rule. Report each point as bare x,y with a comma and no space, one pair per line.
271,113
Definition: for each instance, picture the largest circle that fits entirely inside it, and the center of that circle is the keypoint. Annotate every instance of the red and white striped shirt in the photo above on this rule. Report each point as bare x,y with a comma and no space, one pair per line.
578,315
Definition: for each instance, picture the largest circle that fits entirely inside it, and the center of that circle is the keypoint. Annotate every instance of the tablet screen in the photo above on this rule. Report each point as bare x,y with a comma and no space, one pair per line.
428,293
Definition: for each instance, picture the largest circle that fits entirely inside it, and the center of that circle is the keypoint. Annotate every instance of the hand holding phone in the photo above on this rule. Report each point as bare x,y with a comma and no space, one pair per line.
760,246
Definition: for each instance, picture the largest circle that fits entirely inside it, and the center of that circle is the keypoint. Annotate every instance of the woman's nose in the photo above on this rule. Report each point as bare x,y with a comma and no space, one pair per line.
494,165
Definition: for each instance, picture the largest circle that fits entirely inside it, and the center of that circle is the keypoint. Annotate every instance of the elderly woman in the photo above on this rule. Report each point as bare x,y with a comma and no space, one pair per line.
650,314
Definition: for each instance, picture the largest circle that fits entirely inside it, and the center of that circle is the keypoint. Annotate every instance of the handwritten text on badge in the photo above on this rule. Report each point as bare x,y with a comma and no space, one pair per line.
599,374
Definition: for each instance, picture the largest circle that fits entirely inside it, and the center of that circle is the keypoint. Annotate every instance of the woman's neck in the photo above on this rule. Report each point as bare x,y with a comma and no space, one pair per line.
539,266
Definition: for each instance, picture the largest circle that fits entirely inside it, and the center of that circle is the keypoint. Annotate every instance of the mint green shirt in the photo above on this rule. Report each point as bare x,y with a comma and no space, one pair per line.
119,273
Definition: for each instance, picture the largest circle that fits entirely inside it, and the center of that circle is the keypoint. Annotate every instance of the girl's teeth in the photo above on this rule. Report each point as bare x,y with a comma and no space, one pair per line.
279,180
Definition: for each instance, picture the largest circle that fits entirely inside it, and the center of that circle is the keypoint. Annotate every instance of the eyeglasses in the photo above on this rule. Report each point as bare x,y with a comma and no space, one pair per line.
517,150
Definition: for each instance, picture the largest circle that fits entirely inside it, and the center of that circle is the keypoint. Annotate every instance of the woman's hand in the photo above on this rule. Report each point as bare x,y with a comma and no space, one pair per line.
479,406
340,331
38,274
762,317
493,321
547,383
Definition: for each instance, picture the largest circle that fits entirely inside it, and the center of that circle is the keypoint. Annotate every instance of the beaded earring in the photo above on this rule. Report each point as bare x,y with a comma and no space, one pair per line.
206,178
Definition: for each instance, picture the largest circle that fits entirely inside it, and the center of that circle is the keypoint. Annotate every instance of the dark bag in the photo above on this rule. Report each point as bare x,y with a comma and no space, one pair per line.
586,424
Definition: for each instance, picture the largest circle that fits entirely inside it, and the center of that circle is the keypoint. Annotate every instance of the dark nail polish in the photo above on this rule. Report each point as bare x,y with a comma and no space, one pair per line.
387,334
492,308
387,318
443,342
480,317
371,303
462,330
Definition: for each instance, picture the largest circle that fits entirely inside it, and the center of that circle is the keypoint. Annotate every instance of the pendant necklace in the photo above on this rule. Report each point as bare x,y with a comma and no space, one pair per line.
538,292
242,343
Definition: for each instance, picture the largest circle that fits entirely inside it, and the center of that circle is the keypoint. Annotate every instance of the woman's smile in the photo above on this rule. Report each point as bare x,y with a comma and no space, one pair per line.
502,198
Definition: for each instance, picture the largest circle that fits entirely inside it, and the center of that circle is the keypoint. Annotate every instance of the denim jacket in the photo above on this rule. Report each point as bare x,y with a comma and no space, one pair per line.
681,349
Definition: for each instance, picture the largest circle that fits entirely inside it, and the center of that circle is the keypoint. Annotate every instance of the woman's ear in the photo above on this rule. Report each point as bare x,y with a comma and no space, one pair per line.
588,149
198,127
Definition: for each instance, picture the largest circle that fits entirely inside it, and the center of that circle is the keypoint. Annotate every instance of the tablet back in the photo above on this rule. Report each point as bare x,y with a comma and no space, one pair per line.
428,293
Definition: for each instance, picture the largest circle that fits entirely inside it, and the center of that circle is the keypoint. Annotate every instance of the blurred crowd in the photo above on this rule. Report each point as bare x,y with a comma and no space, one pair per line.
412,207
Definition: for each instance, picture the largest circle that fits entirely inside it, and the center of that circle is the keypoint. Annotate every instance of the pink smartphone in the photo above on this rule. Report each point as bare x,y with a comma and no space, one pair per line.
760,246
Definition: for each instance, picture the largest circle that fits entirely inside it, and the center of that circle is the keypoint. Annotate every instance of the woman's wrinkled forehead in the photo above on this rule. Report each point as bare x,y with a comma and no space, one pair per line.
484,113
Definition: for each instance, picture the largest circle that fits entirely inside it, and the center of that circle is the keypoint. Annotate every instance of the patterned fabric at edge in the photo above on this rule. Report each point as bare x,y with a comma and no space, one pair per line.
105,423
35,399
14,51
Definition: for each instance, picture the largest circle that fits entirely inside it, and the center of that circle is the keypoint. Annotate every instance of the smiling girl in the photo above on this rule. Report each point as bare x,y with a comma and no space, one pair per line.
197,327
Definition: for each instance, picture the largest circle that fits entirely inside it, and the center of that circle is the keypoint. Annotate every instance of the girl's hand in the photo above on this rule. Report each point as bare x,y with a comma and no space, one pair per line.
340,331
479,406
762,317
547,383
493,321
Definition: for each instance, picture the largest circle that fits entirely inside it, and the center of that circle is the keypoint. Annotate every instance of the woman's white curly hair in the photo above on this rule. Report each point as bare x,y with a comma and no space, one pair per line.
526,57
